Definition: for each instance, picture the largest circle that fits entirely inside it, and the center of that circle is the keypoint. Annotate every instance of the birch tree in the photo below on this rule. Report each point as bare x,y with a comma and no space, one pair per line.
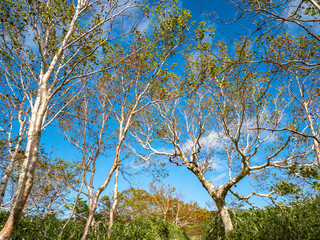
47,48
300,83
13,128
220,126
287,30
294,17
107,109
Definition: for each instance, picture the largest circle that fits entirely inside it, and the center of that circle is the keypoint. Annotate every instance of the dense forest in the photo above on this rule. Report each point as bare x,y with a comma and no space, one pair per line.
133,87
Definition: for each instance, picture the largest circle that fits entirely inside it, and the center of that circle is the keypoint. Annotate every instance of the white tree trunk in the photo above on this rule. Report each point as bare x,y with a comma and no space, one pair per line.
26,175
115,202
225,216
218,197
6,176
313,132
94,203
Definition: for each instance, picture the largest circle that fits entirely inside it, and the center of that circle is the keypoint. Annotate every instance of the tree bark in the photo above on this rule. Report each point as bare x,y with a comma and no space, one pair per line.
26,175
23,189
218,196
88,223
94,202
313,132
317,148
115,202
305,105
224,213
6,176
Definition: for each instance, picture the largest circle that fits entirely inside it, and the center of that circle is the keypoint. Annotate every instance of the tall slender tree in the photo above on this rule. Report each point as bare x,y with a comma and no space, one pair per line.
287,30
105,111
46,49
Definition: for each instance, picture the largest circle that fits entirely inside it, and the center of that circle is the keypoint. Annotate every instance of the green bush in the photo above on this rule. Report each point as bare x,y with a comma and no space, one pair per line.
39,228
214,228
299,220
147,229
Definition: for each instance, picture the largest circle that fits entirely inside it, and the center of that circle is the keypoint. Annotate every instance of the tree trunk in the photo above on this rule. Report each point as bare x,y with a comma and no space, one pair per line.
218,196
89,221
6,177
23,188
225,216
115,202
38,115
93,206
314,133
305,105
9,168
26,175
317,148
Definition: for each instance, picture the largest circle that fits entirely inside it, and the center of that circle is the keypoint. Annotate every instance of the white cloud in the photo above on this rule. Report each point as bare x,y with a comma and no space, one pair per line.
217,164
211,141
220,179
144,26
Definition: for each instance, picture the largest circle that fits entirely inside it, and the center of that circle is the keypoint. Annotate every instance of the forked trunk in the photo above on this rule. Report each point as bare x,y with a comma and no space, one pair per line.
93,205
218,196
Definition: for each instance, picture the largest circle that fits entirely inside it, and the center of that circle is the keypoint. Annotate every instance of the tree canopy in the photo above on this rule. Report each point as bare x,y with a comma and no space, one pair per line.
135,87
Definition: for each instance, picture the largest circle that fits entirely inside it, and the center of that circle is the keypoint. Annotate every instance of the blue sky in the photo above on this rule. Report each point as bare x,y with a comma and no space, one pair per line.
178,177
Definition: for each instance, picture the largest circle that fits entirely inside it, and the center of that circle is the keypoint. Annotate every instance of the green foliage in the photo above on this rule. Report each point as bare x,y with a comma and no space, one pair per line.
39,228
214,228
308,172
300,220
285,188
147,229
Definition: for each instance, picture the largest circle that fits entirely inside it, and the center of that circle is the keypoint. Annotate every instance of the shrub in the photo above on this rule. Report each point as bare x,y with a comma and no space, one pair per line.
300,220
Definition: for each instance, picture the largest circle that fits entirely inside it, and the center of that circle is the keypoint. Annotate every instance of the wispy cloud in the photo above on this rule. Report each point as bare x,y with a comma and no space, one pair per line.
219,179
213,140
144,26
